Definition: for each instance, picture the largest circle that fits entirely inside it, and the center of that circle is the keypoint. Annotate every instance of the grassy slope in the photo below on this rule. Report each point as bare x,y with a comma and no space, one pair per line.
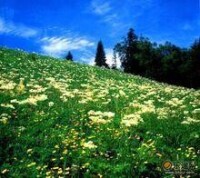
50,124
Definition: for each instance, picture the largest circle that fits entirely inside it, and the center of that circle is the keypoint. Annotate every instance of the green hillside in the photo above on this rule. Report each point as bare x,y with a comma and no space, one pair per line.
62,119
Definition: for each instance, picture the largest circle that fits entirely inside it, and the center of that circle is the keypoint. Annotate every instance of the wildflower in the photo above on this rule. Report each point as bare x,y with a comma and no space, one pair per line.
14,101
4,120
8,86
108,114
34,99
159,155
51,104
21,87
55,168
4,171
60,171
31,164
97,120
29,150
8,106
48,174
196,111
89,145
65,152
131,119
61,158
185,112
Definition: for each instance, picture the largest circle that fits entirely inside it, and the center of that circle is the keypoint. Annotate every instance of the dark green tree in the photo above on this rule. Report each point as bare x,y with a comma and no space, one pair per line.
126,51
100,59
69,56
171,59
195,64
145,57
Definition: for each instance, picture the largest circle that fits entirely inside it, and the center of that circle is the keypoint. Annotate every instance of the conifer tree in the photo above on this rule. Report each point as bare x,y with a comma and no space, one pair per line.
126,51
69,56
100,59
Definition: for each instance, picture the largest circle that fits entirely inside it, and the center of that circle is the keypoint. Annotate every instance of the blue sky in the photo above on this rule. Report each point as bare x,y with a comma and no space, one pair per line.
54,27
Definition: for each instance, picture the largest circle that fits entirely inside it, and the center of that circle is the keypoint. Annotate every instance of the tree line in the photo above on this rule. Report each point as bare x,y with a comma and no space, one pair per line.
165,62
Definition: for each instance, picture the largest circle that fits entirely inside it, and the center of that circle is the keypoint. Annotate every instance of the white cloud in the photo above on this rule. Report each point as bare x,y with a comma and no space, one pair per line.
109,58
8,27
57,46
99,7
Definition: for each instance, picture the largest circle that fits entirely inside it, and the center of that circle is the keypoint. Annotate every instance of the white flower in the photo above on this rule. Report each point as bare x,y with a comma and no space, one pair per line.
51,104
7,106
131,119
196,111
33,99
8,86
108,114
98,120
89,145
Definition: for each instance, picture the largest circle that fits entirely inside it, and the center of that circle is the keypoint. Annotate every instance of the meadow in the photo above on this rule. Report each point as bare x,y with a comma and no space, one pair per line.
63,119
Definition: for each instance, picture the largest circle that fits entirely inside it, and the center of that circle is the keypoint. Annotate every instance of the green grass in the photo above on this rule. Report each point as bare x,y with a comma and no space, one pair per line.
62,119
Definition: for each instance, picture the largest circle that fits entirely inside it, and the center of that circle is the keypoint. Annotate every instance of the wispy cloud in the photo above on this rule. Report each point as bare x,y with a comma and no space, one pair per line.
112,19
10,28
100,8
88,56
109,14
58,46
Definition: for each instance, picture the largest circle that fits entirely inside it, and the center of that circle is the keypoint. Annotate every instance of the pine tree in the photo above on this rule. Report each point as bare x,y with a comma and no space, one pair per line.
130,63
100,59
69,56
126,51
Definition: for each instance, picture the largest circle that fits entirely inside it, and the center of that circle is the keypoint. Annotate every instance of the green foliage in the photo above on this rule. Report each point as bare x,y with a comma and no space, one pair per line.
62,119
195,64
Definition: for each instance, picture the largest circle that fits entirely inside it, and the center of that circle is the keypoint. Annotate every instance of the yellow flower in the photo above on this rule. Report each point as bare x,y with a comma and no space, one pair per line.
21,87
4,120
65,152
